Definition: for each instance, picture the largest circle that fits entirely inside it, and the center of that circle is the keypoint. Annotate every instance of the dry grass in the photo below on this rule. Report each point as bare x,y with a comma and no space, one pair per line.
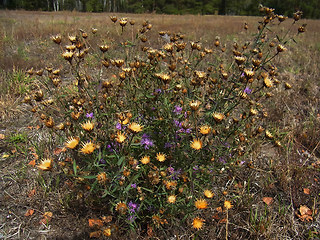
278,173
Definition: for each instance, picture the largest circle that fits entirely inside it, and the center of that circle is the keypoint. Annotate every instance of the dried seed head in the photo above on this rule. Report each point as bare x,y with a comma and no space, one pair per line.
57,39
104,48
123,22
281,48
113,18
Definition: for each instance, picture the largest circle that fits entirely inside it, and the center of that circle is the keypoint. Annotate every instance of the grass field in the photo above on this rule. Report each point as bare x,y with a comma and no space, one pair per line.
274,191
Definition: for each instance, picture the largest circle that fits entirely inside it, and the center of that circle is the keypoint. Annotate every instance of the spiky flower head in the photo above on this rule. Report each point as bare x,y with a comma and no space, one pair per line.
123,22
88,148
197,223
172,199
227,204
196,144
281,48
201,204
72,142
208,193
218,117
57,38
68,56
104,47
205,129
121,207
135,127
88,126
46,164
102,178
161,157
113,18
145,160
194,105
121,137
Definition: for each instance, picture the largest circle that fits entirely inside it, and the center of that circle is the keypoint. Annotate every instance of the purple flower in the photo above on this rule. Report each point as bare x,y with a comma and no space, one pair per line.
118,126
133,207
133,185
89,115
102,161
177,109
177,123
247,90
168,145
146,141
196,168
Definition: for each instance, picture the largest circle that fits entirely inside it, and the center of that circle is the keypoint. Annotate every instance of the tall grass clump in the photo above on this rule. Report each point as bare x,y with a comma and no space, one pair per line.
147,127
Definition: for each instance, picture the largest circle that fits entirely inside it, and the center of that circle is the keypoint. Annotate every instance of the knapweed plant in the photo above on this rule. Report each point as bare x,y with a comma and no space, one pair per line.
146,126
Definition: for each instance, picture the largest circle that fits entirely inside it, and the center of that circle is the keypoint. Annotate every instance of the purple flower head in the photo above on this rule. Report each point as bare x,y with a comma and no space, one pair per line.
158,90
168,145
131,218
146,141
177,110
247,90
133,207
177,123
118,126
102,161
134,185
196,168
89,115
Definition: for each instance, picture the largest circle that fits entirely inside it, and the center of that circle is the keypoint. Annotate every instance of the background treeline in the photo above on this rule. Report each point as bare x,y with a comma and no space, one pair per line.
310,8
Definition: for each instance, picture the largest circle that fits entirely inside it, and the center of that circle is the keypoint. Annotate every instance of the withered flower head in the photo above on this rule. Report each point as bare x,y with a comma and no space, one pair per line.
94,30
119,62
70,48
49,122
205,129
281,48
57,39
297,15
72,39
104,48
267,82
123,22
239,59
121,207
194,105
68,56
218,117
164,77
168,47
102,178
113,18
248,73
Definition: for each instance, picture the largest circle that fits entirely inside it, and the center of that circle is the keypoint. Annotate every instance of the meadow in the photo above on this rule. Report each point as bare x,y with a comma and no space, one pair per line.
159,126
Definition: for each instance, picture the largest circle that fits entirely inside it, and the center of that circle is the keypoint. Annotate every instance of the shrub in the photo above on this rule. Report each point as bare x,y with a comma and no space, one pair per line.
146,128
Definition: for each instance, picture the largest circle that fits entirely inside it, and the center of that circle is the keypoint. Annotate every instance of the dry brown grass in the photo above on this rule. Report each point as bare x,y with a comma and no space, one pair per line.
295,115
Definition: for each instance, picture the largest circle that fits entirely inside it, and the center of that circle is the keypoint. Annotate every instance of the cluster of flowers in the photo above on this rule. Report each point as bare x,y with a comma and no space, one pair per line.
145,133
